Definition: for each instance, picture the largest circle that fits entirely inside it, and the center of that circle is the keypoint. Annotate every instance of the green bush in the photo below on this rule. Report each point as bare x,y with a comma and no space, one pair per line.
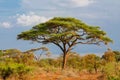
113,78
111,71
48,62
91,62
13,68
74,62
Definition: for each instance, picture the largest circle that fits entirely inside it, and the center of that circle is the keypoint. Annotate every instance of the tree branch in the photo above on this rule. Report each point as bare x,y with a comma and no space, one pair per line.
58,46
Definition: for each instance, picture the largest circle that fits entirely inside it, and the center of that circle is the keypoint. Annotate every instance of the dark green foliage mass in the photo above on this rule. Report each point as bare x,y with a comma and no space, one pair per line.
117,55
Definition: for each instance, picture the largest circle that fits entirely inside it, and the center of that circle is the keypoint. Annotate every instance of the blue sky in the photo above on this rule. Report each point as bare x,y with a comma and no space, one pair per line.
20,15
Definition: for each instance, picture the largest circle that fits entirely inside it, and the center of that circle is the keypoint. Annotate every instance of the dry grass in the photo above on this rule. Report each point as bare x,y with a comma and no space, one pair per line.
66,75
41,74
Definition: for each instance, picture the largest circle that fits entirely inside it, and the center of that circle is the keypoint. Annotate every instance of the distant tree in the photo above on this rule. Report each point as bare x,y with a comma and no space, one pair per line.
65,33
26,57
36,49
109,56
10,52
44,50
91,61
10,55
117,55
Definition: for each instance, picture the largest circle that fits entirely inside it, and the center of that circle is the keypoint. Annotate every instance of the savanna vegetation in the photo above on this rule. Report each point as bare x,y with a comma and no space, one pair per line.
64,33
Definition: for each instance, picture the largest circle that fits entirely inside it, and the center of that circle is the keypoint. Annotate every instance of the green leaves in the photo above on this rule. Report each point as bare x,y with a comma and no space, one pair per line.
63,28
13,68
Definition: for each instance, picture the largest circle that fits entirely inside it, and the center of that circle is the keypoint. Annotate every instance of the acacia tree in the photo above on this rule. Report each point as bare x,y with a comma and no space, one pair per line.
65,33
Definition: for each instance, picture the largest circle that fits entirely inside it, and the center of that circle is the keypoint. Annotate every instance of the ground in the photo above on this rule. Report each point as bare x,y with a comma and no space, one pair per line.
68,76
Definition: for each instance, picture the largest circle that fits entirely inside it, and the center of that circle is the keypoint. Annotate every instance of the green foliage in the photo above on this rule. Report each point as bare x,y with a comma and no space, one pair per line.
27,59
112,71
1,52
47,62
74,61
109,56
61,29
11,52
91,61
5,71
113,78
13,68
117,55
14,55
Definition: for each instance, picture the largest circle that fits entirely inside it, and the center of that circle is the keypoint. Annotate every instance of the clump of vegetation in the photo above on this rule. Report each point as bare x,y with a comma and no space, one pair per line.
117,55
111,65
6,70
112,71
91,61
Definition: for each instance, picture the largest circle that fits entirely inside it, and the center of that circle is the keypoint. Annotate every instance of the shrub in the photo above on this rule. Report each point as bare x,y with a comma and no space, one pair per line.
111,71
91,61
13,68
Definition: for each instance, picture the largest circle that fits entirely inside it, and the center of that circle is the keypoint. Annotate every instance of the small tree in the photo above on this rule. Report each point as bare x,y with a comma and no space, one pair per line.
91,61
117,55
109,56
65,33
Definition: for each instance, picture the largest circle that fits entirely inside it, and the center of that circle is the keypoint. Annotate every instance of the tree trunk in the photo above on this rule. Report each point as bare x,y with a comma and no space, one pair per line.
95,68
4,78
64,61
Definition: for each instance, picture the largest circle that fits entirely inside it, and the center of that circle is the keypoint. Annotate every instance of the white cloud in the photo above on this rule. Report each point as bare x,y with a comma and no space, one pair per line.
6,24
30,19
